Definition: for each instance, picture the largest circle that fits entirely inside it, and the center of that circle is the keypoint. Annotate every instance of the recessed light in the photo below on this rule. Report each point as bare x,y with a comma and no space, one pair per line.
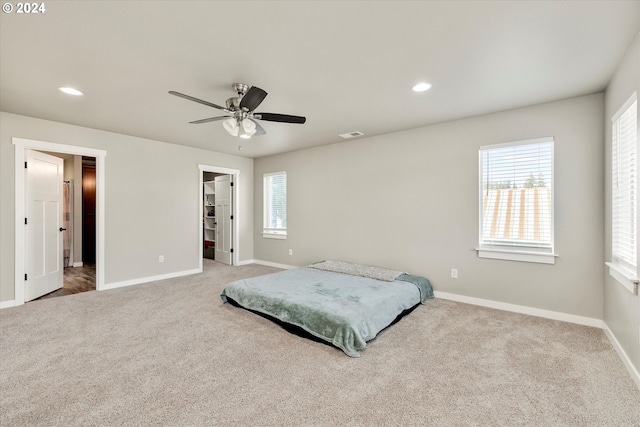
421,87
70,91
245,136
351,134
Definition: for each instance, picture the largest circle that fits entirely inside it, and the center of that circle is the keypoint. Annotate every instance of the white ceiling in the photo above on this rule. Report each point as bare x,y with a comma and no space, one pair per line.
345,65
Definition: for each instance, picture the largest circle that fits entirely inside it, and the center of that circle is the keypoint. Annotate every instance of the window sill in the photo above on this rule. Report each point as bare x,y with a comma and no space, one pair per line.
517,255
280,236
624,277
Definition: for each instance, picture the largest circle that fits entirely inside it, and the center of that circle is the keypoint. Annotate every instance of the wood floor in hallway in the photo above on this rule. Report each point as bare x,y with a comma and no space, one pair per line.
76,280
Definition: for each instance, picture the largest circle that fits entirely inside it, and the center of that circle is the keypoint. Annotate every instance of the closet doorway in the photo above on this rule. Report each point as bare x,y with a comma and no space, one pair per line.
217,217
218,214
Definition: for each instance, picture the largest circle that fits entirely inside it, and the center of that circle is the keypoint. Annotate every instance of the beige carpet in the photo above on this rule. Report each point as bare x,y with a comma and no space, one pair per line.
170,353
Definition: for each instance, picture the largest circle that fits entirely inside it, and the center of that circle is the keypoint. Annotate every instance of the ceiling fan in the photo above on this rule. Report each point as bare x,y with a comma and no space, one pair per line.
241,118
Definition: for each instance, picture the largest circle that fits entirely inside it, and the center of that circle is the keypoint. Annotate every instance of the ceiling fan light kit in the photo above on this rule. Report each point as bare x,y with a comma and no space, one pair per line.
231,126
244,128
241,119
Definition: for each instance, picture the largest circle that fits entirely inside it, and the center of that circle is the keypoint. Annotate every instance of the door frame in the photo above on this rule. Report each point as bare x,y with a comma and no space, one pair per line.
21,145
235,208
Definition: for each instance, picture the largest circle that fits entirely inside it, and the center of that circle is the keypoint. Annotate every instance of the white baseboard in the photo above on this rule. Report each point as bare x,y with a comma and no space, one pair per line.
270,264
554,315
149,279
77,264
8,304
547,314
635,375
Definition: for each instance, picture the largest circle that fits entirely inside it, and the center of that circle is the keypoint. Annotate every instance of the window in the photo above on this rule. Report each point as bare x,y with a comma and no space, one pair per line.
275,205
516,201
624,207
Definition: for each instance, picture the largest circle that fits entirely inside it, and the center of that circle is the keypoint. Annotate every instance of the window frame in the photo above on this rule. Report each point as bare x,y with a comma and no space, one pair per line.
542,255
267,232
619,270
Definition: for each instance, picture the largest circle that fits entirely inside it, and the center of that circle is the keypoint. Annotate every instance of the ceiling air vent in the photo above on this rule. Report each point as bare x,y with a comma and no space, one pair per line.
351,134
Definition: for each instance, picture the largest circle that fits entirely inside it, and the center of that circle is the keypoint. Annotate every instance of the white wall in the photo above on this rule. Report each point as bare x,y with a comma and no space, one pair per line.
152,199
621,308
409,201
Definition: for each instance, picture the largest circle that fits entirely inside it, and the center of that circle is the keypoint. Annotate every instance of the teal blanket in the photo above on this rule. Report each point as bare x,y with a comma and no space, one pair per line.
426,291
344,310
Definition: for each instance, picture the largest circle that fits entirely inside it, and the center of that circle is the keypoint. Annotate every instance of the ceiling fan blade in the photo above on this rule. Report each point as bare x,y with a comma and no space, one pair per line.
199,101
259,129
284,118
210,119
253,98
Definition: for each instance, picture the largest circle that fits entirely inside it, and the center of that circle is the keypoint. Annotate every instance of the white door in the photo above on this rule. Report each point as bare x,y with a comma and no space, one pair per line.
43,224
224,215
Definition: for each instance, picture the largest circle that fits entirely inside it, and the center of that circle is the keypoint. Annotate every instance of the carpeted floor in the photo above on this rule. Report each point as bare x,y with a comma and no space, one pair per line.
170,353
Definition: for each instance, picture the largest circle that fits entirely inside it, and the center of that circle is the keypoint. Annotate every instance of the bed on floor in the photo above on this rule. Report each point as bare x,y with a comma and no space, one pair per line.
343,304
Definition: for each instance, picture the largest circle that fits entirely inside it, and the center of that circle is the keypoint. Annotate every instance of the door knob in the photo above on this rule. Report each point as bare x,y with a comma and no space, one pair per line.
62,229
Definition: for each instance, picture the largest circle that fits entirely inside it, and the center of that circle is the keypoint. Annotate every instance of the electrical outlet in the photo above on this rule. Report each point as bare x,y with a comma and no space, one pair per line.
161,258
454,273
290,252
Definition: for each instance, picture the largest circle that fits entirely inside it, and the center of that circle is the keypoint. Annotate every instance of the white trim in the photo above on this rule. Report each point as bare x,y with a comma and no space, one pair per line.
515,255
512,144
624,107
271,264
281,236
547,314
8,304
236,210
150,279
624,277
635,375
21,145
554,315
626,201
274,173
78,264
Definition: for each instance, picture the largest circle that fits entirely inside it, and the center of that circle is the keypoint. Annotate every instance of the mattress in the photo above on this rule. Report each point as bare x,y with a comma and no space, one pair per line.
343,309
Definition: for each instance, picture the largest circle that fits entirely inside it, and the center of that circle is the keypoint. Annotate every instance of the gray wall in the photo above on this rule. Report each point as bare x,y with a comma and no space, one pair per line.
409,201
152,199
621,308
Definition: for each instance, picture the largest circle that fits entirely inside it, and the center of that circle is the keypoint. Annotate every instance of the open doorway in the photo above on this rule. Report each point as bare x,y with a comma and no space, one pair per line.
78,225
217,223
22,150
218,214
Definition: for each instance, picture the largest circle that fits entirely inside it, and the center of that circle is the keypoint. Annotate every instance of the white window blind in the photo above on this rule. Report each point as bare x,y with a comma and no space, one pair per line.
516,196
624,187
275,203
